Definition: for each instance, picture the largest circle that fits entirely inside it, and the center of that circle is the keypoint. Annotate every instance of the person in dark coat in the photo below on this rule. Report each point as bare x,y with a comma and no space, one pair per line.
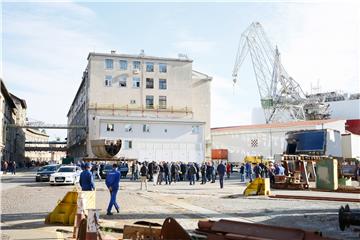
242,173
257,171
191,174
221,169
208,171
161,174
173,172
86,179
197,171
183,170
203,173
112,182
167,173
151,171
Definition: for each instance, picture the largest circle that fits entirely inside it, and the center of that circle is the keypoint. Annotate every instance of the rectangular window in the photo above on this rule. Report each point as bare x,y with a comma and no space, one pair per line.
110,127
195,129
136,82
122,81
128,128
162,84
123,64
149,83
149,67
149,102
128,144
162,102
162,67
146,128
136,65
132,101
108,81
109,63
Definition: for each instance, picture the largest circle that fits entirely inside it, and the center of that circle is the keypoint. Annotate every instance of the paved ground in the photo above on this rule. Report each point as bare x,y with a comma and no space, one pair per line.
25,204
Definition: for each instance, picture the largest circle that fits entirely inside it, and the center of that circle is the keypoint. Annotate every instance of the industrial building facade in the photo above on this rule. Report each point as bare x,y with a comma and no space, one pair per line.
267,140
159,107
12,140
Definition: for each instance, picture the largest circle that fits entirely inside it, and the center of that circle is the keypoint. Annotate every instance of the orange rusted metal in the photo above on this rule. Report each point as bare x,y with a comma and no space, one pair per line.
235,230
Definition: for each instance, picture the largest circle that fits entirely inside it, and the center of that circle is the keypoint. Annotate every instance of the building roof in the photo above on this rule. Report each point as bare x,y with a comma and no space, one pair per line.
6,94
201,75
22,101
138,56
274,125
37,132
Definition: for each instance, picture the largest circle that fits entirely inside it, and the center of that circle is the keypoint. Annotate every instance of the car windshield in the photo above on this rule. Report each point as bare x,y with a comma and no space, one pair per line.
50,168
107,167
66,169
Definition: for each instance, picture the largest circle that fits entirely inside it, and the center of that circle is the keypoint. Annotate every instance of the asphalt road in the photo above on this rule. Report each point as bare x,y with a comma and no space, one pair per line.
25,204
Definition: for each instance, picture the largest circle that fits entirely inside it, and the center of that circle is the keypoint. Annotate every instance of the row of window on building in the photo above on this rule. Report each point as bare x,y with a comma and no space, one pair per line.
136,65
110,127
136,82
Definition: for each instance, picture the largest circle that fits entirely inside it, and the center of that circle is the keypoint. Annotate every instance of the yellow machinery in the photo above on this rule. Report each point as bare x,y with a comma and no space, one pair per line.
65,210
253,159
260,186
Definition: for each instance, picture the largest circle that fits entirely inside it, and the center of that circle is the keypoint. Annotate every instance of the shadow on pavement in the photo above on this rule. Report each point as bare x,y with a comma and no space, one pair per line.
22,216
329,226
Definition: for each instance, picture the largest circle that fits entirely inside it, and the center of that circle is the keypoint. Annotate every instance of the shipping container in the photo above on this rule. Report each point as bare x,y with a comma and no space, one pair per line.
219,154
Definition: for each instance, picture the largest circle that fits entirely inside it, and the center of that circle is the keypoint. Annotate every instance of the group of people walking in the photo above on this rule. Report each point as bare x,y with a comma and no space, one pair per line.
249,171
112,183
166,172
8,166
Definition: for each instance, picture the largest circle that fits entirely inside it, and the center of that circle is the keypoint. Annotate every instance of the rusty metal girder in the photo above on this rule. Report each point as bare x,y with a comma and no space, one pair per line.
316,198
234,230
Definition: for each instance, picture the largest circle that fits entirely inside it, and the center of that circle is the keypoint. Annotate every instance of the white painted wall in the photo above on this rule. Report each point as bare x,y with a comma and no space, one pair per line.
270,141
166,141
351,145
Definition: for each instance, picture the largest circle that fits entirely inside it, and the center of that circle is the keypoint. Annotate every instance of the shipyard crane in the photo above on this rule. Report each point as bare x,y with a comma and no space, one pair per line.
282,98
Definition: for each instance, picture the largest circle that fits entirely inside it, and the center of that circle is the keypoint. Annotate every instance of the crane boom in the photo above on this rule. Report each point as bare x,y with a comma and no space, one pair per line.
282,98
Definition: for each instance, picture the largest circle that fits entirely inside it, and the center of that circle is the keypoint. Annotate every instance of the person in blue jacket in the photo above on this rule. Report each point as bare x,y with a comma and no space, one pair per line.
86,179
112,182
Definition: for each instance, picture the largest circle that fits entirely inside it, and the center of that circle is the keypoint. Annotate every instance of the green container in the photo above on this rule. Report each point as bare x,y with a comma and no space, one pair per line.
345,181
327,174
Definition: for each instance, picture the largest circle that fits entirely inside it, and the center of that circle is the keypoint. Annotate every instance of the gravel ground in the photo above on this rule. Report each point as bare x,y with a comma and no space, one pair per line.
25,206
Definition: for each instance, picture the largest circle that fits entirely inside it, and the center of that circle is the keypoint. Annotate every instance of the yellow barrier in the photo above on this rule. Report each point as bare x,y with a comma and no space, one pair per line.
65,211
260,186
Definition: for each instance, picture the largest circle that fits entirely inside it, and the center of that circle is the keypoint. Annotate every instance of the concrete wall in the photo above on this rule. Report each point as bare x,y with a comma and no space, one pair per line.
260,141
165,141
351,145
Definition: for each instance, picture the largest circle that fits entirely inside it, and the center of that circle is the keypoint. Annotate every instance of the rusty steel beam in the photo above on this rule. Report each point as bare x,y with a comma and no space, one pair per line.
316,198
235,230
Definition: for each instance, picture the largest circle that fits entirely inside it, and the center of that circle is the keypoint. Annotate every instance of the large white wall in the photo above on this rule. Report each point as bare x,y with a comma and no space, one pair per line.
270,141
351,146
166,141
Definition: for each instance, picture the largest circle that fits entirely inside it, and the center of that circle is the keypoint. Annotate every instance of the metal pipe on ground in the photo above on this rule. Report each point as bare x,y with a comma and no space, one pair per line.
347,217
336,199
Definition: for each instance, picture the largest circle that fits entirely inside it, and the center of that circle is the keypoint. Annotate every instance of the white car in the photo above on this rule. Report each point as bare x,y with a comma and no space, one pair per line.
66,175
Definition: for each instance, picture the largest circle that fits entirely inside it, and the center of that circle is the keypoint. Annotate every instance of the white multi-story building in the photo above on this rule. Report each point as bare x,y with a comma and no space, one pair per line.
159,107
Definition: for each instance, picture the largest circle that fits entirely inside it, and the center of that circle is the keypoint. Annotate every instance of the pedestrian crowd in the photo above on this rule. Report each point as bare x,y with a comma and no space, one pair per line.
8,166
172,172
249,171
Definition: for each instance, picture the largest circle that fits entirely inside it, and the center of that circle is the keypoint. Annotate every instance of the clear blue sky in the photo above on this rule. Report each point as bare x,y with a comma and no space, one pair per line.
45,46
